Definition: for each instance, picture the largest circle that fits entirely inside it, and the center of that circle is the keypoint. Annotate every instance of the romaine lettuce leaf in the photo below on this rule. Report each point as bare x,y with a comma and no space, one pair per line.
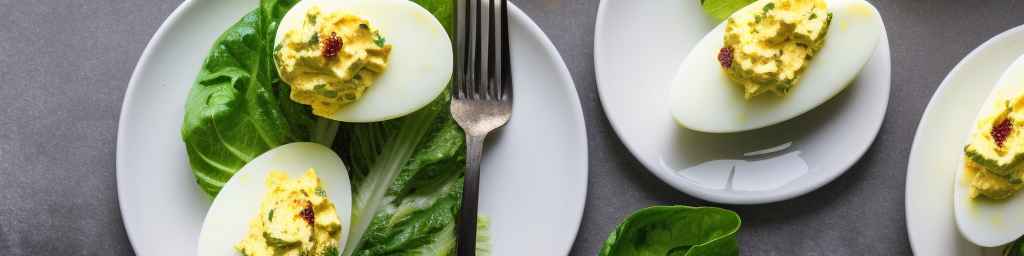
1015,249
675,231
237,107
413,206
722,9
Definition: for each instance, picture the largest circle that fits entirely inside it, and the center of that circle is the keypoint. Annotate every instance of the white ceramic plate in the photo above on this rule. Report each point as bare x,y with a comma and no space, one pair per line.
938,146
635,63
534,177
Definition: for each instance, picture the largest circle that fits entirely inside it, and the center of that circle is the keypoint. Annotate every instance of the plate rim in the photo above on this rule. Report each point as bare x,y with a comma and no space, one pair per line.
577,108
912,165
529,25
727,199
121,144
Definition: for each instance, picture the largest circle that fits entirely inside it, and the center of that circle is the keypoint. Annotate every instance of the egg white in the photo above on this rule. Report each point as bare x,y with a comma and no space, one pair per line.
702,97
238,202
984,222
419,67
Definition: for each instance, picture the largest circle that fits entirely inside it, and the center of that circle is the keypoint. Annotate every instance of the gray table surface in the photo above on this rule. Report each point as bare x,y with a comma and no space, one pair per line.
64,67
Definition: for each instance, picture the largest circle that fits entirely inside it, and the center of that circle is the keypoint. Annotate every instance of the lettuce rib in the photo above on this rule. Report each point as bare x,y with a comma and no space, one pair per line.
371,193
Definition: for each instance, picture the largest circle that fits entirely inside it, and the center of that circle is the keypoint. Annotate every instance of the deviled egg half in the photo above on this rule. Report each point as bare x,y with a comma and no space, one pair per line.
771,61
363,60
295,199
990,176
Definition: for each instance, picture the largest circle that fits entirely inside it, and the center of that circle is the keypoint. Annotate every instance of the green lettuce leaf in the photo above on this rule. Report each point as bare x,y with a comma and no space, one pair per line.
413,206
722,9
237,107
1015,249
675,231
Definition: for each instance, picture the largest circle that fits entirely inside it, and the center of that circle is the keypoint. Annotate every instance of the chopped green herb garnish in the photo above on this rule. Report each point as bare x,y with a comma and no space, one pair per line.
270,215
379,40
769,7
322,90
813,16
364,26
758,18
331,251
275,241
311,18
319,190
278,48
314,40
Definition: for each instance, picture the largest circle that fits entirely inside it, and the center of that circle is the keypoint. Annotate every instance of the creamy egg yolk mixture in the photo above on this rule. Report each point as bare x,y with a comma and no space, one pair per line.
767,48
995,151
331,60
295,219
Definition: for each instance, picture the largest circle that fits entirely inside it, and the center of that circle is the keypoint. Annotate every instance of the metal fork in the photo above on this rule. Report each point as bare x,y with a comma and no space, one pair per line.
481,96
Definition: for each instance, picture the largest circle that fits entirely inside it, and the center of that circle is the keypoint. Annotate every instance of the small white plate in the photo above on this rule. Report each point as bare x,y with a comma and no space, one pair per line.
534,178
938,146
635,62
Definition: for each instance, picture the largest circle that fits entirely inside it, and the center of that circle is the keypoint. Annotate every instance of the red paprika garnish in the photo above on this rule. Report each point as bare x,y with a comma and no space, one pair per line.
331,46
307,213
725,57
1001,131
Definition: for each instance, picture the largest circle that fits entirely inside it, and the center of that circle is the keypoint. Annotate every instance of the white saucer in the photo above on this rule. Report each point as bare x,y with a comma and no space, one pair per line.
635,62
938,146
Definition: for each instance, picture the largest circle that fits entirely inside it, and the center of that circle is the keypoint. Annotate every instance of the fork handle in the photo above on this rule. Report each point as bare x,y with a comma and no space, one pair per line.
466,225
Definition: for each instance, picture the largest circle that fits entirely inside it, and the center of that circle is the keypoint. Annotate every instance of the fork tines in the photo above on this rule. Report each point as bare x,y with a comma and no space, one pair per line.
483,66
